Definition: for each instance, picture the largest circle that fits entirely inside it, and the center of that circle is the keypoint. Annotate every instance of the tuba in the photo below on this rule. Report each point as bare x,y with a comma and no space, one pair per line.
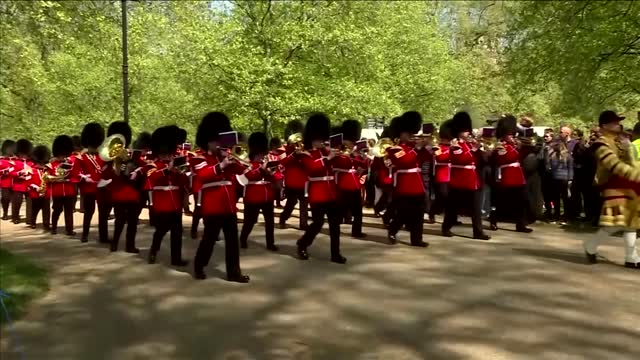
380,148
113,149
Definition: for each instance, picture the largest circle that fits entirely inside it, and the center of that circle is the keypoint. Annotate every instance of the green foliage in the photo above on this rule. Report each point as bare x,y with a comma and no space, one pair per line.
267,62
22,281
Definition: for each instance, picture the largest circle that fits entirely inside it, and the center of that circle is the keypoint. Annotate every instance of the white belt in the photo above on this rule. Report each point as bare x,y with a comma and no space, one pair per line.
259,182
345,171
165,188
211,184
404,171
513,165
436,164
316,179
469,167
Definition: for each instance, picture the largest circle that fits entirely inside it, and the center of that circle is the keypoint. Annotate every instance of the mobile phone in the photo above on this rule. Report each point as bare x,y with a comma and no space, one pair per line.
428,129
335,141
488,132
228,139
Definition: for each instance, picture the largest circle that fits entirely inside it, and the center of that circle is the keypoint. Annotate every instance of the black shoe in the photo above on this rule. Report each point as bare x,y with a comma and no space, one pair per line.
194,235
524,229
282,225
238,278
152,258
32,226
359,235
179,263
132,250
482,237
84,239
421,244
431,220
339,259
71,233
302,254
16,222
272,247
591,258
46,228
54,231
392,239
493,227
103,241
632,265
199,274
5,217
113,248
447,233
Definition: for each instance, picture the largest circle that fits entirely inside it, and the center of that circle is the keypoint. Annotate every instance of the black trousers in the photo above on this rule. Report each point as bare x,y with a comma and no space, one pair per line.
43,204
104,210
560,191
581,194
318,212
16,204
125,213
61,204
166,222
547,193
5,198
458,199
385,204
409,211
212,226
293,196
251,212
510,205
441,192
88,202
351,205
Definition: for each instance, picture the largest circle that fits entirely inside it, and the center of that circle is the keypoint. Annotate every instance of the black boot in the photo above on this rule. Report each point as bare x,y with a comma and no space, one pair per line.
302,253
179,263
338,259
152,258
198,273
238,278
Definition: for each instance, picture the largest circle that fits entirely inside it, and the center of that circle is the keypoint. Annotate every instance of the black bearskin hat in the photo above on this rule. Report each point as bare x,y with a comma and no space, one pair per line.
258,144
335,130
394,127
317,128
62,146
143,141
181,137
386,133
163,141
211,125
446,132
24,147
92,135
275,143
122,128
41,154
8,148
461,122
77,142
410,122
507,125
293,126
351,130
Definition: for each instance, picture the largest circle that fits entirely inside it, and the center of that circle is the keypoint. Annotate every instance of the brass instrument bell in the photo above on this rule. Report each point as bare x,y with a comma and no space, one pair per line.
113,149
381,146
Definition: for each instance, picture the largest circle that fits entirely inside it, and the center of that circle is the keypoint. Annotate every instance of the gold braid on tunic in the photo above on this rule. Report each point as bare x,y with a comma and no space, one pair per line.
621,204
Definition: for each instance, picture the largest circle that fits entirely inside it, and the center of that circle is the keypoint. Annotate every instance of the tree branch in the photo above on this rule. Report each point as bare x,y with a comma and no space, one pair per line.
265,14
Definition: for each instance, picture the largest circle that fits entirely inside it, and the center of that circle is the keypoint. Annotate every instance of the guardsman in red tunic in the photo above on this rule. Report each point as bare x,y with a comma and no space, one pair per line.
408,187
277,153
258,190
39,192
124,179
65,173
465,183
7,164
22,171
140,155
90,169
321,187
184,149
509,195
217,197
381,171
295,177
167,184
441,171
195,158
347,168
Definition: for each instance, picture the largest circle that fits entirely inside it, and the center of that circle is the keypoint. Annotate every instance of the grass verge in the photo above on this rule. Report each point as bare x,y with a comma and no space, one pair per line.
22,280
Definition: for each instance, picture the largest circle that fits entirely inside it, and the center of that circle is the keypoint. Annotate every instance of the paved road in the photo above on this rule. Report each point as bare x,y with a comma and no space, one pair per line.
515,297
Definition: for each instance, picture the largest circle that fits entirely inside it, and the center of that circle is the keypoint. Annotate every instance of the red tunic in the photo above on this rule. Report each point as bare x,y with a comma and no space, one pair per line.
91,169
442,165
383,173
166,188
67,187
321,185
21,174
216,194
464,174
407,175
7,164
36,181
295,176
123,188
346,171
507,167
258,188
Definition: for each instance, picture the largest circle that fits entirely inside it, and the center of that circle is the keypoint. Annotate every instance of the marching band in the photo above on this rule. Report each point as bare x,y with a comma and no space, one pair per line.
320,167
